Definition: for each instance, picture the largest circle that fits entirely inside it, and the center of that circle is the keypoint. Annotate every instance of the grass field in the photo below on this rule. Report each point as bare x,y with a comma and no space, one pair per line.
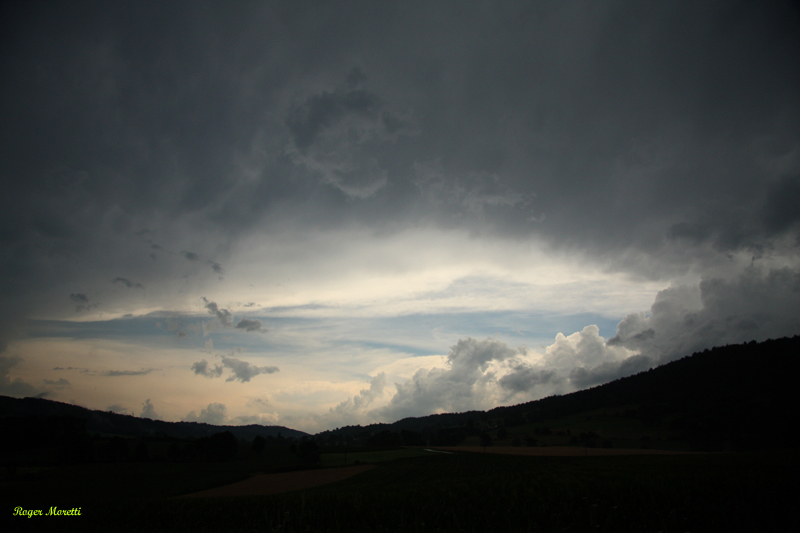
459,492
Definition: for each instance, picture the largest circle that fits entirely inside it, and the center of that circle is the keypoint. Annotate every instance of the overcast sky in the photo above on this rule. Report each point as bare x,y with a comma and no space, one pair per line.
316,214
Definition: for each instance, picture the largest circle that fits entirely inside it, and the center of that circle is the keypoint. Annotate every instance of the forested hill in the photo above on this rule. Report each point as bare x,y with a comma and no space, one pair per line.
117,424
741,396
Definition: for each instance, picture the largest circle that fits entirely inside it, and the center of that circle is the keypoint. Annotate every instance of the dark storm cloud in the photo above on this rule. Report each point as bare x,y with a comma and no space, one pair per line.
128,283
597,115
324,110
223,315
756,305
525,378
654,137
117,373
250,325
81,302
79,298
217,268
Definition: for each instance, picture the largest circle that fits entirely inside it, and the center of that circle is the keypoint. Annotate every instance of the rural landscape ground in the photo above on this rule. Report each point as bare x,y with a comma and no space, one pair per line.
410,489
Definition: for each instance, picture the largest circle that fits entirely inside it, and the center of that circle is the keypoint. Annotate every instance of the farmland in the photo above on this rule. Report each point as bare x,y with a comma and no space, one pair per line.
454,492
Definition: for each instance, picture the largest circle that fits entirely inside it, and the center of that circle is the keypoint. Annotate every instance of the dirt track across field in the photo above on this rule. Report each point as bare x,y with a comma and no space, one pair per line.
266,484
557,451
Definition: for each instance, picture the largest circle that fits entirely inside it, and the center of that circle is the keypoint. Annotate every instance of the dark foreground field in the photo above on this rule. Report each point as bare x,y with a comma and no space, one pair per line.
453,492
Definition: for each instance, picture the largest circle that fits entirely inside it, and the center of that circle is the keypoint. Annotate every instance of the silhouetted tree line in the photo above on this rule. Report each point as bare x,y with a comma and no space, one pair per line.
55,440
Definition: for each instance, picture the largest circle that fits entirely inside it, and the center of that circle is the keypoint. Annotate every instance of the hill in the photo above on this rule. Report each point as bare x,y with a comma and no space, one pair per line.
116,424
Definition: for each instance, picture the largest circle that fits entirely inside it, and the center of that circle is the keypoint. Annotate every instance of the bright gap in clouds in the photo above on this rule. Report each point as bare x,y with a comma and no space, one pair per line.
310,321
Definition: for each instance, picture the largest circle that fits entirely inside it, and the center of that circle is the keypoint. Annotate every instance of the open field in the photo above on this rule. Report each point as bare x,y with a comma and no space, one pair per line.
279,483
558,451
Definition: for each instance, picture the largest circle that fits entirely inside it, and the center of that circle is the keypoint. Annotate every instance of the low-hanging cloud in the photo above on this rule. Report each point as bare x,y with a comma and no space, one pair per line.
118,373
244,371
248,324
241,371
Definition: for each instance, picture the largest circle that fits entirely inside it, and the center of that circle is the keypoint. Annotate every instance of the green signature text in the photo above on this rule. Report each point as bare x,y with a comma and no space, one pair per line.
54,511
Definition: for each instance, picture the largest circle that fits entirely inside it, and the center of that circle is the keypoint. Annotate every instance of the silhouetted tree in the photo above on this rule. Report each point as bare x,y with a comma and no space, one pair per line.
307,451
259,443
220,446
486,440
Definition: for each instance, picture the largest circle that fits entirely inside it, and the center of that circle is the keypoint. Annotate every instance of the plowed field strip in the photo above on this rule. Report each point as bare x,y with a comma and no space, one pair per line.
266,484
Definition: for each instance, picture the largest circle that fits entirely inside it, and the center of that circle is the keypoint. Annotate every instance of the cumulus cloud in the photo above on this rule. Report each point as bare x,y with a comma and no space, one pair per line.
353,410
241,371
244,371
190,256
201,368
215,414
149,411
467,382
250,325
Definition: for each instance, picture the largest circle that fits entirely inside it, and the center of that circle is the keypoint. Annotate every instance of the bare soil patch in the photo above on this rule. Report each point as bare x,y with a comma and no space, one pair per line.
558,451
266,484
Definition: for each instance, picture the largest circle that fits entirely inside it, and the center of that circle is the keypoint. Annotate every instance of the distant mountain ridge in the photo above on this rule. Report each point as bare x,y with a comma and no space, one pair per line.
118,424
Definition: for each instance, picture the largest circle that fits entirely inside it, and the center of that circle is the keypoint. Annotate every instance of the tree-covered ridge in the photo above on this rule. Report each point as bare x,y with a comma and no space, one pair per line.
118,424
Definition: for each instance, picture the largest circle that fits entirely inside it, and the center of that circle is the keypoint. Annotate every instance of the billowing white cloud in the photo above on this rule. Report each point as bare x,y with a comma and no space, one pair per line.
467,382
